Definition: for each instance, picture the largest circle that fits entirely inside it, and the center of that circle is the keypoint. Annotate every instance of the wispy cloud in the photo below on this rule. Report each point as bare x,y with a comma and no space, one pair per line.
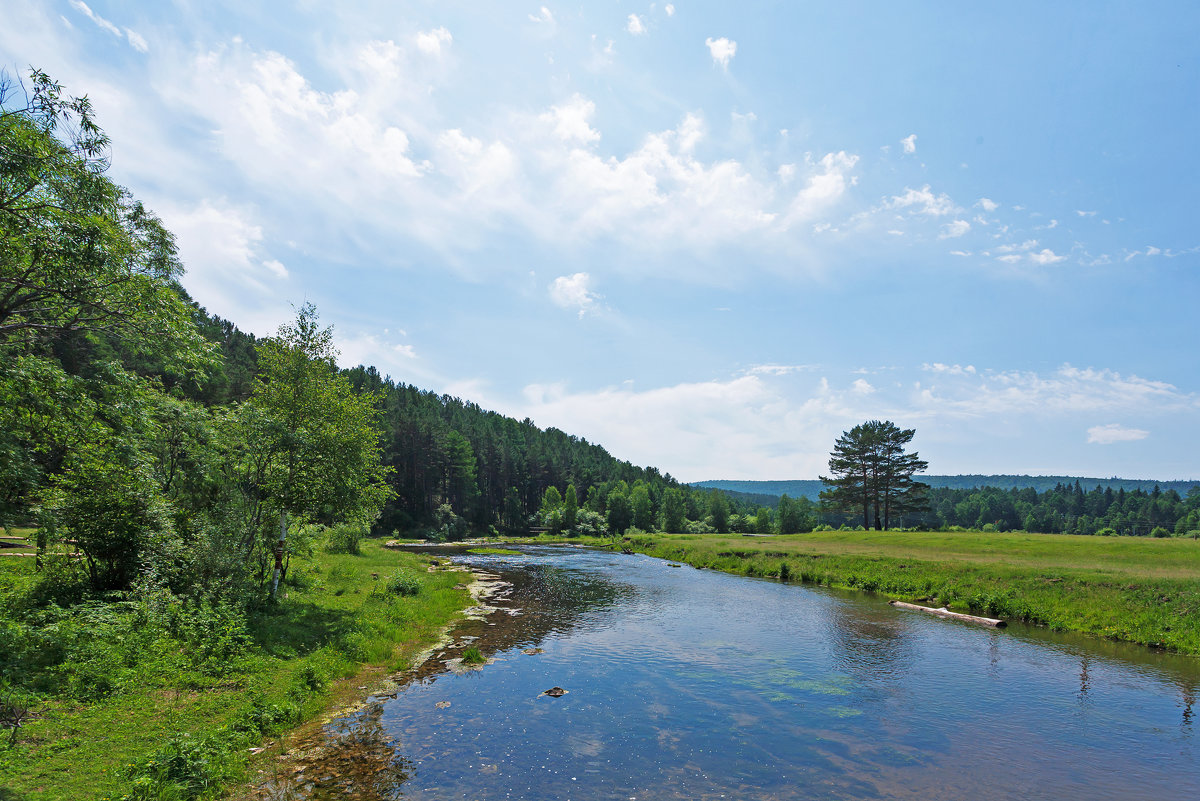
1114,432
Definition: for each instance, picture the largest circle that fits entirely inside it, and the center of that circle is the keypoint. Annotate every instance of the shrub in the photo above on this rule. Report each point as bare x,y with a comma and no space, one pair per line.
344,539
1159,532
404,584
1106,532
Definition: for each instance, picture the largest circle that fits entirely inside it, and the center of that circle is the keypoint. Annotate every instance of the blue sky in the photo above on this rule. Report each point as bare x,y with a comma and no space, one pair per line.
708,236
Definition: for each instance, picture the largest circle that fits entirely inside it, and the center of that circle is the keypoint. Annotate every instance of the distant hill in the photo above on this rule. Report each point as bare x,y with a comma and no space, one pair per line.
811,488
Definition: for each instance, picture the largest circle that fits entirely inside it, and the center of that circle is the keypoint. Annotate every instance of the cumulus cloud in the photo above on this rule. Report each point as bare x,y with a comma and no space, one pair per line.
635,25
670,9
571,121
909,143
949,369
1085,213
573,292
923,201
543,16
1046,256
722,50
954,229
432,42
987,204
1114,432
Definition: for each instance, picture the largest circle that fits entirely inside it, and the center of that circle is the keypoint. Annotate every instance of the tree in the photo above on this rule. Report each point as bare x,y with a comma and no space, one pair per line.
718,508
310,443
872,472
643,509
77,252
674,511
570,508
620,511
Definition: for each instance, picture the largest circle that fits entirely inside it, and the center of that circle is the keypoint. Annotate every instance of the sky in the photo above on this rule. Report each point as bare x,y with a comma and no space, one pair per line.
708,236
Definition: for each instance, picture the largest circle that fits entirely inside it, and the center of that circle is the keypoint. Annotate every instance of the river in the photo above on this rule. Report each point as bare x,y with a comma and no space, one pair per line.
693,684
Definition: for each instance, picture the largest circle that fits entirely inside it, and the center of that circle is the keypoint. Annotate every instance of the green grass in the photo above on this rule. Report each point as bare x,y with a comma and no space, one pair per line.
1125,588
336,627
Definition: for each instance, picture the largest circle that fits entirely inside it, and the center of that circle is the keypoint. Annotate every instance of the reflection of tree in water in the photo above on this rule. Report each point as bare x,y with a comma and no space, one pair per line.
869,642
543,600
357,759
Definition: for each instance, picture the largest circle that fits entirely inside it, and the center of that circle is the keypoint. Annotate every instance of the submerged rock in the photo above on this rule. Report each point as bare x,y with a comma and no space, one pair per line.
555,692
533,651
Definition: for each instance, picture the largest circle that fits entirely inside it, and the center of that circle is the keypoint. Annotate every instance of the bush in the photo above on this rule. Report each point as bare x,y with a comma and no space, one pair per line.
404,584
1159,532
1106,532
344,539
699,527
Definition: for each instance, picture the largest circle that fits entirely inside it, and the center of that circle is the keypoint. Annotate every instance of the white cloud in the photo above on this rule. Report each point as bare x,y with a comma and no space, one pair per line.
574,292
571,120
949,369
862,387
670,9
543,16
987,205
1069,390
780,369
228,267
924,201
137,41
747,426
1114,432
960,253
1011,258
1046,256
1085,213
909,143
722,50
431,42
635,25
954,229
100,21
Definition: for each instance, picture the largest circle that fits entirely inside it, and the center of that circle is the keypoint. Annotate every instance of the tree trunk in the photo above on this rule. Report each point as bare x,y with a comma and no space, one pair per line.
279,552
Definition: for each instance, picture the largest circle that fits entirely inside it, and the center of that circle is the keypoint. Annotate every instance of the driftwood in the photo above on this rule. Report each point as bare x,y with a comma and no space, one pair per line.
946,613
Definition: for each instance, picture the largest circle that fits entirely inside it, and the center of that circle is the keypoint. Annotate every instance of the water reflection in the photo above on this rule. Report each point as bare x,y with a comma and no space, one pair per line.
693,684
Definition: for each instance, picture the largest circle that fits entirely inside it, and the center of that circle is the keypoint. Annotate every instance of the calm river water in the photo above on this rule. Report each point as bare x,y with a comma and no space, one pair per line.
692,684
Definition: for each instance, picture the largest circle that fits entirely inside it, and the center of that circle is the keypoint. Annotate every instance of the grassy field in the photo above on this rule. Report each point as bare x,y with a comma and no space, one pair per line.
1136,589
165,723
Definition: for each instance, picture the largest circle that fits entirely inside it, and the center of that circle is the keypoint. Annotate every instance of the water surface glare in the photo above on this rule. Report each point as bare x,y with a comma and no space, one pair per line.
693,684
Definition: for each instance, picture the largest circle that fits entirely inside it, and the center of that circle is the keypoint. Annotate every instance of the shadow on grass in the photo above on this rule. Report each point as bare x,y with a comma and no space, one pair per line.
293,629
12,795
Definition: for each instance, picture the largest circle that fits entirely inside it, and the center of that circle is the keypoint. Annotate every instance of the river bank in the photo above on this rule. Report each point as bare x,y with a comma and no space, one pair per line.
1139,590
172,726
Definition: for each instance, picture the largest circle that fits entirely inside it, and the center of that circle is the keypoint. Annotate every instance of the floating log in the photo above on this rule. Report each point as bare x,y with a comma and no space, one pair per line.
946,613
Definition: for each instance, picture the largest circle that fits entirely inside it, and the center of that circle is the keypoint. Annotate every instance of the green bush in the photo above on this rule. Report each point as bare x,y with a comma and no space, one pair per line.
404,584
1106,532
1160,532
344,539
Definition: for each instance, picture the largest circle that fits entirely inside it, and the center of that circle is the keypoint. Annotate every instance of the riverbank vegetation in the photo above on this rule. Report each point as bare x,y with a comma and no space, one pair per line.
157,696
1140,590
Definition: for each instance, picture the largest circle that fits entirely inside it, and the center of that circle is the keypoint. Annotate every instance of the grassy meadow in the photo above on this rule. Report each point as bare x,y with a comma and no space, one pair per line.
1136,589
133,706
